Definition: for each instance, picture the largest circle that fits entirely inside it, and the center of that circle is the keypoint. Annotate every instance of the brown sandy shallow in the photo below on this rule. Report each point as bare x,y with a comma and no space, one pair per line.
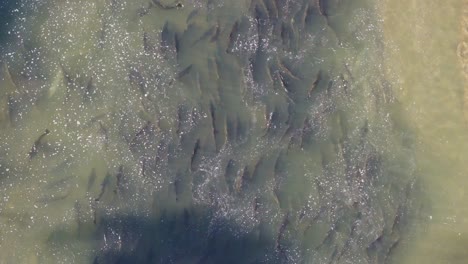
462,53
426,42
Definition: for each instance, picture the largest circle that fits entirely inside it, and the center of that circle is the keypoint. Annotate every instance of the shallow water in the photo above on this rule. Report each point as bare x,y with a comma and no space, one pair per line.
425,38
232,131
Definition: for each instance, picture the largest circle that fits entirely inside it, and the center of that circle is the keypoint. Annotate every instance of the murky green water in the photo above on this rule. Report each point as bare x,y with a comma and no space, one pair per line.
260,131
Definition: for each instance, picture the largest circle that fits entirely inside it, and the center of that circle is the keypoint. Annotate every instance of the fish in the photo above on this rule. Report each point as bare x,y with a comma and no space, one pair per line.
90,90
303,16
305,132
35,148
213,122
7,92
93,205
195,153
320,7
274,120
273,11
230,174
55,197
184,72
245,178
308,16
263,169
192,15
104,185
140,135
288,134
281,232
268,123
256,204
322,10
119,178
177,5
177,43
233,37
178,185
185,118
285,84
167,35
91,179
215,36
392,249
142,163
210,34
232,126
162,154
312,87
286,34
105,133
214,67
260,11
349,72
70,82
6,82
242,128
286,73
5,113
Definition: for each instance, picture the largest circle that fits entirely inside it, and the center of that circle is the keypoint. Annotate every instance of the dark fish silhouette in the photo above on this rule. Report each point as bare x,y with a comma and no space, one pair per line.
35,148
104,184
163,6
91,179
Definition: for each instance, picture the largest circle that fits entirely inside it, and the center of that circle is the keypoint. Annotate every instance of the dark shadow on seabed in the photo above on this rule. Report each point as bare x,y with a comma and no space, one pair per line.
196,236
185,237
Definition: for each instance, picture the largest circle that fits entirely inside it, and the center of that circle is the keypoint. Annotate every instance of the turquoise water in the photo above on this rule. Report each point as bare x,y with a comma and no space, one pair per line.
258,131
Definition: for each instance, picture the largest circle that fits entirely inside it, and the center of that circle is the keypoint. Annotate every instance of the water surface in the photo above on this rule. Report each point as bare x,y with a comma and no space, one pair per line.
232,132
